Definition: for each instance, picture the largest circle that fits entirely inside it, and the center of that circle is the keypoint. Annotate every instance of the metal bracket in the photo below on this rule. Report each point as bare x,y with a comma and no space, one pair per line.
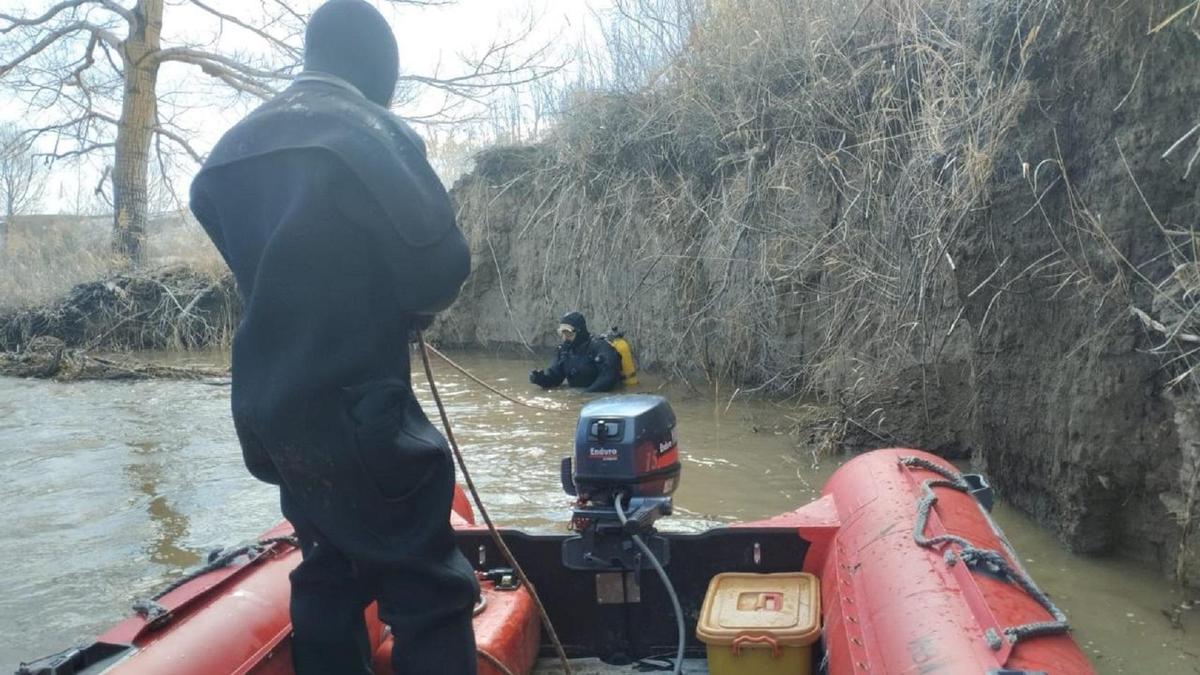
611,551
617,588
504,578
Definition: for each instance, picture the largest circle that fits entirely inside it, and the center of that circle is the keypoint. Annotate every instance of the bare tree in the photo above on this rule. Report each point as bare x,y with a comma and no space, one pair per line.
643,36
95,66
22,178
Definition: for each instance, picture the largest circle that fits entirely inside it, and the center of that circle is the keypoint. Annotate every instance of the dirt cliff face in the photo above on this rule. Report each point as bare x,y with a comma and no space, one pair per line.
1074,413
955,220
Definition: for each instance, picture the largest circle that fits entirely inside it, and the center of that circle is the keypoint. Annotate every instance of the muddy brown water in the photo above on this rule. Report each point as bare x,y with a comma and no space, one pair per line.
111,490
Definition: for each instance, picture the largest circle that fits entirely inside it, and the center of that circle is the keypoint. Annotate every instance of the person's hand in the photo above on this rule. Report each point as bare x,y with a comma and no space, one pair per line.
534,376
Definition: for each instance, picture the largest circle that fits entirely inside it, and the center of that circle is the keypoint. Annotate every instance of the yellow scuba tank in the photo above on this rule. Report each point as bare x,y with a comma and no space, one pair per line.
628,365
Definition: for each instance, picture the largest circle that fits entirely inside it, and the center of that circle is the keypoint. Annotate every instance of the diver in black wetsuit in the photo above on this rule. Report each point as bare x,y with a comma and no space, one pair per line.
582,360
343,241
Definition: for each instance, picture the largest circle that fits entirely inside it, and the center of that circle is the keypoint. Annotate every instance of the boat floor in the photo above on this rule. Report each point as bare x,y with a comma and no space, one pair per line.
597,667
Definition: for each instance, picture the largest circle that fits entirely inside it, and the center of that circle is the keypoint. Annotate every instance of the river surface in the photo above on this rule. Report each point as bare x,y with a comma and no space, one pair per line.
110,490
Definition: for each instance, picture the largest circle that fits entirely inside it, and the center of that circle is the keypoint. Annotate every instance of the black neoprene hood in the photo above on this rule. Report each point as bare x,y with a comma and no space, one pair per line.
351,40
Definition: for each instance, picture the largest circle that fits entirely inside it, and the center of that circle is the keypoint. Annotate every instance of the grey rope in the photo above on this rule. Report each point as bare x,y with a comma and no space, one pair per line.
218,558
977,558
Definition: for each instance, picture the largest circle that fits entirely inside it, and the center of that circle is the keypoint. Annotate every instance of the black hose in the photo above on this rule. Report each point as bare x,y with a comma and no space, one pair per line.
666,582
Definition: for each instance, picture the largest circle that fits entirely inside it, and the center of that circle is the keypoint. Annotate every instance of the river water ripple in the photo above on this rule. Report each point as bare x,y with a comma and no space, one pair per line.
112,490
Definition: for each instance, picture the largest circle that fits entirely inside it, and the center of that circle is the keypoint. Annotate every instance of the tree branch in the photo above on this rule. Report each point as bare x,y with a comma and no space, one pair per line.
18,22
78,151
287,9
113,7
237,75
201,58
285,47
61,126
165,174
56,35
100,191
108,56
180,141
89,58
78,131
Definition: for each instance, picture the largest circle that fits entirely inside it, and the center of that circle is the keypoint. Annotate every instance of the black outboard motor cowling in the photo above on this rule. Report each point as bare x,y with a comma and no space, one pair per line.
626,466
624,445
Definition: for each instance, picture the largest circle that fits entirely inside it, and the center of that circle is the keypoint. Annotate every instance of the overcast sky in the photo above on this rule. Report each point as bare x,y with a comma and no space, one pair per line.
431,39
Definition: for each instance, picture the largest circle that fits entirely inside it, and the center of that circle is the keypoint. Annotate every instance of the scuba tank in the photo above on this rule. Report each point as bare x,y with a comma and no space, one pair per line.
628,366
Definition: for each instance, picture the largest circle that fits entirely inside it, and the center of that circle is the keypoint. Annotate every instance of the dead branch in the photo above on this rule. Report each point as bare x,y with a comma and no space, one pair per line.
1158,326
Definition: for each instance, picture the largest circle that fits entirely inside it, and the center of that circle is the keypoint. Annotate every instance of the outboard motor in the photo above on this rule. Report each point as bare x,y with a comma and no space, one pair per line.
625,468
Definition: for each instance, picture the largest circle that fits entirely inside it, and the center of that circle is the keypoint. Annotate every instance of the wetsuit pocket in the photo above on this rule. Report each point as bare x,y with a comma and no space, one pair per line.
398,448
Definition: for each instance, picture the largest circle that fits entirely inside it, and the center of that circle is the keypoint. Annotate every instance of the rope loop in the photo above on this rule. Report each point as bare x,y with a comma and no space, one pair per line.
219,557
993,562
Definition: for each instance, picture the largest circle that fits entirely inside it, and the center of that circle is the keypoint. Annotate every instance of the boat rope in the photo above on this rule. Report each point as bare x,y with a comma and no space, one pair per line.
487,519
485,385
976,558
218,558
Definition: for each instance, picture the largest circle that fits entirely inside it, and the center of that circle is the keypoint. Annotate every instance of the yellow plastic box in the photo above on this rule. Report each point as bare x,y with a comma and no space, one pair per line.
760,624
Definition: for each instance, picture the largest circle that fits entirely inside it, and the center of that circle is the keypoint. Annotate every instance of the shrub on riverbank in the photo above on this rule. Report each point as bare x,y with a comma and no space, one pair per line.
171,308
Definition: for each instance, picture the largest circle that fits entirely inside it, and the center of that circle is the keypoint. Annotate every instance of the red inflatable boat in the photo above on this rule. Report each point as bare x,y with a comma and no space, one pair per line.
915,578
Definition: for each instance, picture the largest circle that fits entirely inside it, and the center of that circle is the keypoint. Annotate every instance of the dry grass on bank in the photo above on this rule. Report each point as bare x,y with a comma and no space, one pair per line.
836,195
47,256
797,181
58,278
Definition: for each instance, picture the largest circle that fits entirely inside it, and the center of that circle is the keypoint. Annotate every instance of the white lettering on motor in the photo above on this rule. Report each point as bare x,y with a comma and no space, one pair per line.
604,454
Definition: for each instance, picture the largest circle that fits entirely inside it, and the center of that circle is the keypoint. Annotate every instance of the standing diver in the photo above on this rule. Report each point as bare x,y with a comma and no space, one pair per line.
582,360
343,242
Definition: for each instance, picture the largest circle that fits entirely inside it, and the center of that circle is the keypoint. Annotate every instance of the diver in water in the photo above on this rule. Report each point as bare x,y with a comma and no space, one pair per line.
582,360
343,242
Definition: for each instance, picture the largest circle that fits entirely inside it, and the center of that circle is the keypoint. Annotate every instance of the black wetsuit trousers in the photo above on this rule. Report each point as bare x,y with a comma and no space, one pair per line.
330,593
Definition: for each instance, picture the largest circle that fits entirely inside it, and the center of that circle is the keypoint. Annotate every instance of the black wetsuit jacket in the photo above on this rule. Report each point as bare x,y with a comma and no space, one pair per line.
588,362
341,237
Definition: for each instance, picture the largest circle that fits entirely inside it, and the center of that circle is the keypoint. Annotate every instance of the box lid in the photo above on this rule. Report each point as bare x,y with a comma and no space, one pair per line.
785,607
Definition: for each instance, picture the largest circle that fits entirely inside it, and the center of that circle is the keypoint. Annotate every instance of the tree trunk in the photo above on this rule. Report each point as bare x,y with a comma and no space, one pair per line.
139,116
